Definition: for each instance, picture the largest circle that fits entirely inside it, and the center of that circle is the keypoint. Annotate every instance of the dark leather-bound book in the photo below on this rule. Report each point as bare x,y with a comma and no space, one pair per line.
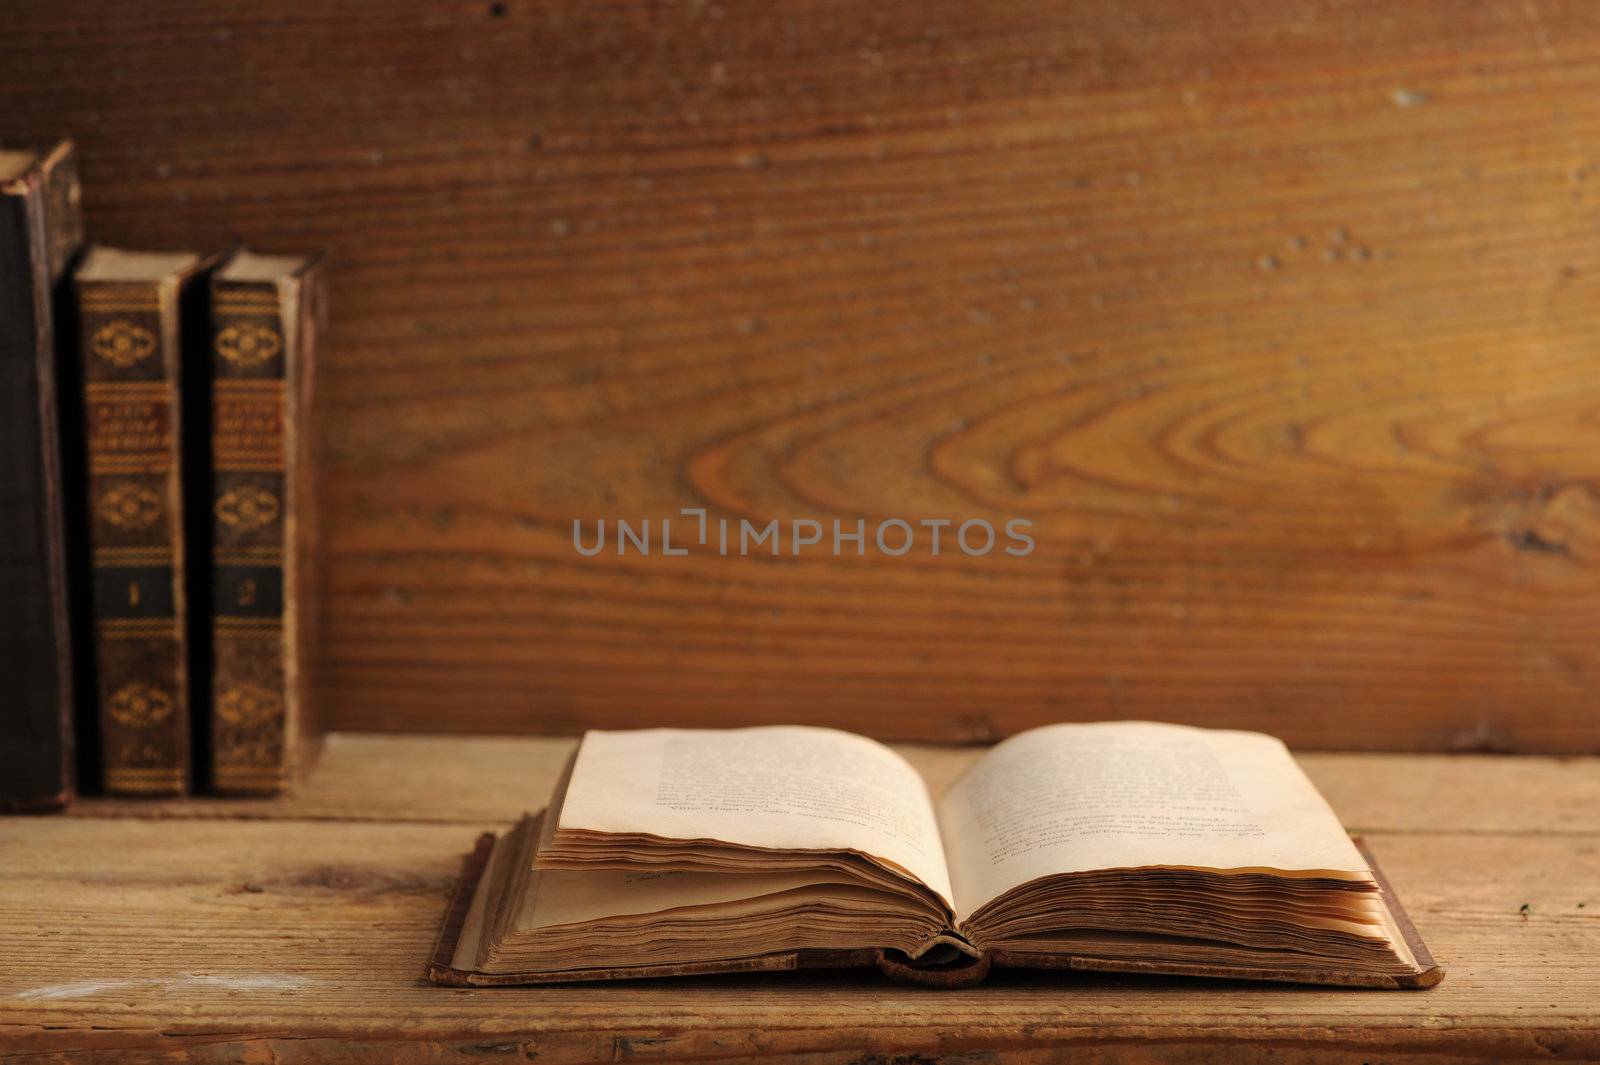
266,315
1124,846
40,232
131,310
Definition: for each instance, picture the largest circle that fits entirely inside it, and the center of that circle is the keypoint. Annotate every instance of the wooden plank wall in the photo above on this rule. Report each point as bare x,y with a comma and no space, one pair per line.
1278,321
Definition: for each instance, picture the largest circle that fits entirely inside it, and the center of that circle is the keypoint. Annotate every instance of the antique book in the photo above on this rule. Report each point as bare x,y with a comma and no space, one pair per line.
134,353
1119,846
266,317
40,232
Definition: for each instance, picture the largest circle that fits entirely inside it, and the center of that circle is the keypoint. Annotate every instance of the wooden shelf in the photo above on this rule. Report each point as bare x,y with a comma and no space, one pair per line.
296,930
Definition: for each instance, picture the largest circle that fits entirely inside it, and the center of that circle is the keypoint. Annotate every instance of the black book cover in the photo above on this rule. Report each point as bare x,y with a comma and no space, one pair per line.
40,233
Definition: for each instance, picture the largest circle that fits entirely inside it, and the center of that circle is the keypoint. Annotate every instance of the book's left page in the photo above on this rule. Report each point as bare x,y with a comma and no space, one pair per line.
774,788
679,850
40,232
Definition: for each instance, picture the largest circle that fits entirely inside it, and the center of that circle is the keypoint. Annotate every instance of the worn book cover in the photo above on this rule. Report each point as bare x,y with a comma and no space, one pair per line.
133,352
267,312
40,233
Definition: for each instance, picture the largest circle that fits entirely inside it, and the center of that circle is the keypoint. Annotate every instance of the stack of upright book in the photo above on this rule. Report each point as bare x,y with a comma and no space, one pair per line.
159,509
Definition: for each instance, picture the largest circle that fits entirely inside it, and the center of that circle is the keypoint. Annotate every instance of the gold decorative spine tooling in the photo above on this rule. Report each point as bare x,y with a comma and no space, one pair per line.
129,340
249,512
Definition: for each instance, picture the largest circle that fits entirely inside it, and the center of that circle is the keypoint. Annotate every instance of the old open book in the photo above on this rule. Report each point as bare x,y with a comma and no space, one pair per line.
1125,846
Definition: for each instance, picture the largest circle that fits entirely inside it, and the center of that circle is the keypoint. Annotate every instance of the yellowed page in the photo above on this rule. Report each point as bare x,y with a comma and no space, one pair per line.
568,896
782,787
1073,798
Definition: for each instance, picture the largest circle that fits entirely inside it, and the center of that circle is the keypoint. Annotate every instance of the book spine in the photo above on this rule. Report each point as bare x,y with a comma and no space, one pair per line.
40,231
251,506
131,355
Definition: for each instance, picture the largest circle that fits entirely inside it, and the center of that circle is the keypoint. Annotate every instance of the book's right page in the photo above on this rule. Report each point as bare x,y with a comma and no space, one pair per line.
1165,848
1120,795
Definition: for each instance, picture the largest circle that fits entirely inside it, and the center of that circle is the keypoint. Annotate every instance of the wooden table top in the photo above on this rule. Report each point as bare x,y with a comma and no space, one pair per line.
295,930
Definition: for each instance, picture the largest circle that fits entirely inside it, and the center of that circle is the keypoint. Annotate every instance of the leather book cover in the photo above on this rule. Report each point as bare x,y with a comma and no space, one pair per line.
132,353
41,230
267,314
967,972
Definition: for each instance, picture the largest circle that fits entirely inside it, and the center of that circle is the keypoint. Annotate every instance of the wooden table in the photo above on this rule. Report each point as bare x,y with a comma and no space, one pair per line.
295,930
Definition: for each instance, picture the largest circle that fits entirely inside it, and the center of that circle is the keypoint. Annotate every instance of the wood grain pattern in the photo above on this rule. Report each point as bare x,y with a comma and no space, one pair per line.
296,940
1279,324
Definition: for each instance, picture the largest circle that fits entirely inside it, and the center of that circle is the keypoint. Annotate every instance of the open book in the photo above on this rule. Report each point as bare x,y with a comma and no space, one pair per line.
1125,846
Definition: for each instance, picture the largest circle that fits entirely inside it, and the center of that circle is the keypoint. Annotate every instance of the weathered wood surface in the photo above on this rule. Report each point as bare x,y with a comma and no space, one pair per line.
1280,323
293,940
